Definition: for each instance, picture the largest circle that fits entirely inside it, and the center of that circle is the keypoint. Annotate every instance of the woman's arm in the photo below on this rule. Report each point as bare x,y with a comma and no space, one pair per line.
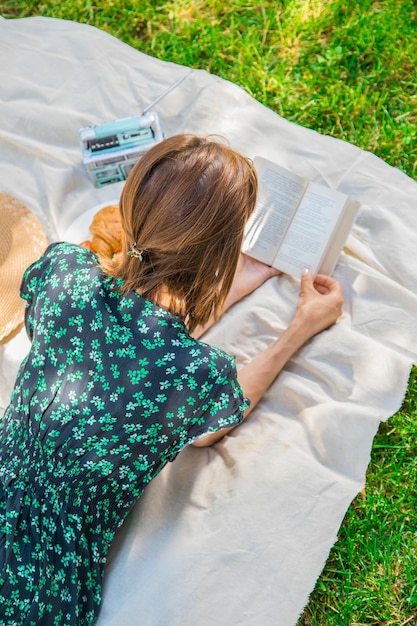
319,306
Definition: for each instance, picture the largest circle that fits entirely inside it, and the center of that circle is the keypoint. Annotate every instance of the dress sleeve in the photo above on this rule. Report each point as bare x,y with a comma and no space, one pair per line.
223,406
40,278
31,285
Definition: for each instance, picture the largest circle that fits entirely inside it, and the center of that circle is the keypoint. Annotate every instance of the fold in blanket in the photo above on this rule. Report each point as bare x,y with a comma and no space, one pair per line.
237,534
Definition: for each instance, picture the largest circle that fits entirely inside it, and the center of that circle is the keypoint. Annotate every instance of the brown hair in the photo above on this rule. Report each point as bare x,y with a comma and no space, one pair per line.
184,207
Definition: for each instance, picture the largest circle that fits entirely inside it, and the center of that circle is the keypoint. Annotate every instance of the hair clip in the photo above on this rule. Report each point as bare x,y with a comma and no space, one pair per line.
137,254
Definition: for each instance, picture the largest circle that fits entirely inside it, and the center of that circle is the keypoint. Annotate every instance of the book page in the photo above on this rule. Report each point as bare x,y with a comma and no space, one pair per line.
310,231
279,193
336,243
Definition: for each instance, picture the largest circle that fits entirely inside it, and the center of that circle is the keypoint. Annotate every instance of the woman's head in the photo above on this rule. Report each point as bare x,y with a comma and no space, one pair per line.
185,205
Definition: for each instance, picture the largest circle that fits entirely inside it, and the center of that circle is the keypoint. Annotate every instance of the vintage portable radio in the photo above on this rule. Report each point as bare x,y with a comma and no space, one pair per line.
110,150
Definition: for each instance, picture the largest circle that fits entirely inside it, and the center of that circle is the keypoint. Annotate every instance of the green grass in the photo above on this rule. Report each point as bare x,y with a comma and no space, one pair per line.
371,575
346,69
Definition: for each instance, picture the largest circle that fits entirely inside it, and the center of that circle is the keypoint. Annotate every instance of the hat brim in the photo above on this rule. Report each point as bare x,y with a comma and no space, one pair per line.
22,241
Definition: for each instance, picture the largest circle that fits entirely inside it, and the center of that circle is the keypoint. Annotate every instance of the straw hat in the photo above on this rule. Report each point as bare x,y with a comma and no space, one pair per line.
22,241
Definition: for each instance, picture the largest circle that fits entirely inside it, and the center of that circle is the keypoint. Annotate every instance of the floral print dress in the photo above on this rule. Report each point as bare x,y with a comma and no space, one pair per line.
112,389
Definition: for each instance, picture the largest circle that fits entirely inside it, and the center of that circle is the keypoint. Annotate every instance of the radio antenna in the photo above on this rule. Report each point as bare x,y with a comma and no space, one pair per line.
166,92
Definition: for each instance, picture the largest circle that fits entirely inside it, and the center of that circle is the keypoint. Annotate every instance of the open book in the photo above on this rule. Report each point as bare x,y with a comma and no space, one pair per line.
297,224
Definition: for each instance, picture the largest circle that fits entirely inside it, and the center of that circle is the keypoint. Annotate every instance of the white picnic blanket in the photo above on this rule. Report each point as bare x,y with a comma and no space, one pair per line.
235,535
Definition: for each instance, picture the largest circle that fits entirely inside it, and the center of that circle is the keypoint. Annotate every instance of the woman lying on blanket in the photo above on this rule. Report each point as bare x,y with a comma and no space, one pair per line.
116,382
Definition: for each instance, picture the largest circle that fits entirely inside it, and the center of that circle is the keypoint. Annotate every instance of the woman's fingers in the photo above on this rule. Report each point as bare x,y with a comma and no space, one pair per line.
320,302
325,284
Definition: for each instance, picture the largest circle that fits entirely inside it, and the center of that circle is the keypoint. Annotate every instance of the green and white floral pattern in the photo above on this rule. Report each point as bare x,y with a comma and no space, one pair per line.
112,389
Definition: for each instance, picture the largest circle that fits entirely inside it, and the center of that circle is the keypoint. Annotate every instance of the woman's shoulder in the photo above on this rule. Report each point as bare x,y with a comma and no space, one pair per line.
59,259
70,251
63,255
